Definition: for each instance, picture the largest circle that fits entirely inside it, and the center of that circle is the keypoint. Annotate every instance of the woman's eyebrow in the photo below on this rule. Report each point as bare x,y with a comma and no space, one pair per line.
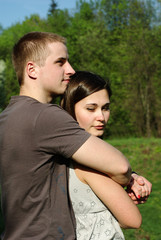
95,104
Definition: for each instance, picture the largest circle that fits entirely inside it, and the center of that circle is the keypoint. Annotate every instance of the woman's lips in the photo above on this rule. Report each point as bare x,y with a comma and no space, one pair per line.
99,127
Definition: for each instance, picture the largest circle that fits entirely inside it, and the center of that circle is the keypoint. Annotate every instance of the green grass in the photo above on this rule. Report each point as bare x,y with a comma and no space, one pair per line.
145,158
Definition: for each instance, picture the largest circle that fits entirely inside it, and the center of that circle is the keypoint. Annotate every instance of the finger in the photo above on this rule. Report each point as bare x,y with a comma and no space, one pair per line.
142,200
137,189
132,196
148,186
142,191
136,202
140,181
145,191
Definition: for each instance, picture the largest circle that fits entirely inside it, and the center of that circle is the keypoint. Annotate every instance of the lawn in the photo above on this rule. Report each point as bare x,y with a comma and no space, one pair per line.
145,158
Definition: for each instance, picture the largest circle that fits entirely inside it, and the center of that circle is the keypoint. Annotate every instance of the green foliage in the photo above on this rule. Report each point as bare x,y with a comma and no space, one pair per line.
7,40
120,40
2,90
58,22
53,7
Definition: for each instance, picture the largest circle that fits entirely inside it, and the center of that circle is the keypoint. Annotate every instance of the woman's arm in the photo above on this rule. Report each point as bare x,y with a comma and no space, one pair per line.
113,196
101,156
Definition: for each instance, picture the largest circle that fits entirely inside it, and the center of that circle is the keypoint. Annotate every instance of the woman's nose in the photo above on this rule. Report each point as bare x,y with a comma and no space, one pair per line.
100,116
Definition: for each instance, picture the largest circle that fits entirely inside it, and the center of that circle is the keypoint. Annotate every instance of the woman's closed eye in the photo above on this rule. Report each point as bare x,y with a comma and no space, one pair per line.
106,107
91,107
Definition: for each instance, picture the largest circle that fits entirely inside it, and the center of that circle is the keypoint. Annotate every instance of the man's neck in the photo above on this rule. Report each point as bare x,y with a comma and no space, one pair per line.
34,94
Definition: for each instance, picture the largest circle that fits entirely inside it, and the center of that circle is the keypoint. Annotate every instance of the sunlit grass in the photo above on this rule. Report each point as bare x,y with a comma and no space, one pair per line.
145,158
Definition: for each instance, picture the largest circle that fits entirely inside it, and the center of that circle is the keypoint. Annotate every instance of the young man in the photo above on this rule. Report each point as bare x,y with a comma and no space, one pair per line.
36,137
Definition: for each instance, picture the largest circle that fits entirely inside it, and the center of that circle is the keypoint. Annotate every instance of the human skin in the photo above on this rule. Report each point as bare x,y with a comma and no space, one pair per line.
43,82
92,114
51,79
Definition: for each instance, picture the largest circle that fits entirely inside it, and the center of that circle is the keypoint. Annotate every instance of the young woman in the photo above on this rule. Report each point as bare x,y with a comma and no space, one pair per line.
100,205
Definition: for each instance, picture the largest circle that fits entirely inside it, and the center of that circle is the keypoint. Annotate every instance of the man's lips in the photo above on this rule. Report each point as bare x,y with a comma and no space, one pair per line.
66,80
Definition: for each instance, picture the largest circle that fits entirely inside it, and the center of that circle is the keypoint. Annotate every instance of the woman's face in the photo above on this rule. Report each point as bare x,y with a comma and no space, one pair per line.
92,112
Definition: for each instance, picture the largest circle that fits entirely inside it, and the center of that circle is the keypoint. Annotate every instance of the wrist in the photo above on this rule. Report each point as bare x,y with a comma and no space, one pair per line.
134,172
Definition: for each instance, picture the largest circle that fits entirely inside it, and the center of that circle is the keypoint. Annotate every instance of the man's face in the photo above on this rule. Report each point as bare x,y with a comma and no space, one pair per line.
54,75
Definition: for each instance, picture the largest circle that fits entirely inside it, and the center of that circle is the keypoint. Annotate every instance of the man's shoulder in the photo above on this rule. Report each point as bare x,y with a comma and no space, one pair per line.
31,104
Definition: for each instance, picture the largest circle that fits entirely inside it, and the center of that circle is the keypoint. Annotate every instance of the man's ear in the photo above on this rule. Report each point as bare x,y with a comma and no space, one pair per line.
31,69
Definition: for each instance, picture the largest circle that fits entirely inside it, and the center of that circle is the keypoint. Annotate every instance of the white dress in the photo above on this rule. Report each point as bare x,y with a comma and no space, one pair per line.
93,219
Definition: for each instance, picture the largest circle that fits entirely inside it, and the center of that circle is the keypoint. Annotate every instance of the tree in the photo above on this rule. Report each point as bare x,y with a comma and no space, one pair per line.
7,40
138,66
2,90
53,7
119,40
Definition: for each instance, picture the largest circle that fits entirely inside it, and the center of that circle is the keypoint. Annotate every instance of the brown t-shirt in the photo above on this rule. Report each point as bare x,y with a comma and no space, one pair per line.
36,141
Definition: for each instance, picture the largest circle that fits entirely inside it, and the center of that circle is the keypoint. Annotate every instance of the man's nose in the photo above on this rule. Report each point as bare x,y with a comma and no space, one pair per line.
69,69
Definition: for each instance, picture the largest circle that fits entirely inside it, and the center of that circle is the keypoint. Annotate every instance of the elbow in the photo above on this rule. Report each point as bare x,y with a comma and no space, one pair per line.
123,176
138,223
122,172
133,224
126,172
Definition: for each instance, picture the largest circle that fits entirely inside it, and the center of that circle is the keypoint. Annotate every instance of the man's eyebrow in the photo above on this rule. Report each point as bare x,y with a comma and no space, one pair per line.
61,58
64,59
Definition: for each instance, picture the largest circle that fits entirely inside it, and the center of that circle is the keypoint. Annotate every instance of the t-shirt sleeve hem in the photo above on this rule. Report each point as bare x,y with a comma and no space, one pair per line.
79,144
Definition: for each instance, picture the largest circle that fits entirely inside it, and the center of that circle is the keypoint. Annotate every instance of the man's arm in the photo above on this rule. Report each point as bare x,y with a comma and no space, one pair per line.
98,154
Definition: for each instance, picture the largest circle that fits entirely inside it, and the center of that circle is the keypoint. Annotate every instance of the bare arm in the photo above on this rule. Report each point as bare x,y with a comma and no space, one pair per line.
113,196
99,155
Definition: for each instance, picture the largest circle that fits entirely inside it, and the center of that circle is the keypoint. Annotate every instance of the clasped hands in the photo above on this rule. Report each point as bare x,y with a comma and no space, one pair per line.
139,189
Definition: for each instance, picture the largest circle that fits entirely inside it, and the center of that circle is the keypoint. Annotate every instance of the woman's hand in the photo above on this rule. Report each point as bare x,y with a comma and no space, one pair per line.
139,189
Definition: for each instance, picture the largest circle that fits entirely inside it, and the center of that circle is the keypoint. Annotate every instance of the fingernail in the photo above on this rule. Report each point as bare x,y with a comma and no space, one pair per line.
139,196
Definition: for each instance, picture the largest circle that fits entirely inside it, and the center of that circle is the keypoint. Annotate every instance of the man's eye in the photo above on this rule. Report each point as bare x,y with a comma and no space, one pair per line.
60,62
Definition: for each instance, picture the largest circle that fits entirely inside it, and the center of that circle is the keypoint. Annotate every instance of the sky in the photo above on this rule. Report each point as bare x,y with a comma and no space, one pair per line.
13,11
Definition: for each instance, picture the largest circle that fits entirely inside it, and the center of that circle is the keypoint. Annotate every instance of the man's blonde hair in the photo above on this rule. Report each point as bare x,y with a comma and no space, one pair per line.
32,46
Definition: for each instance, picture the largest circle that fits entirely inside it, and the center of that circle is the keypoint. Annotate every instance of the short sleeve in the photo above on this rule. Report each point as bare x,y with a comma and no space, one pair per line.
56,132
